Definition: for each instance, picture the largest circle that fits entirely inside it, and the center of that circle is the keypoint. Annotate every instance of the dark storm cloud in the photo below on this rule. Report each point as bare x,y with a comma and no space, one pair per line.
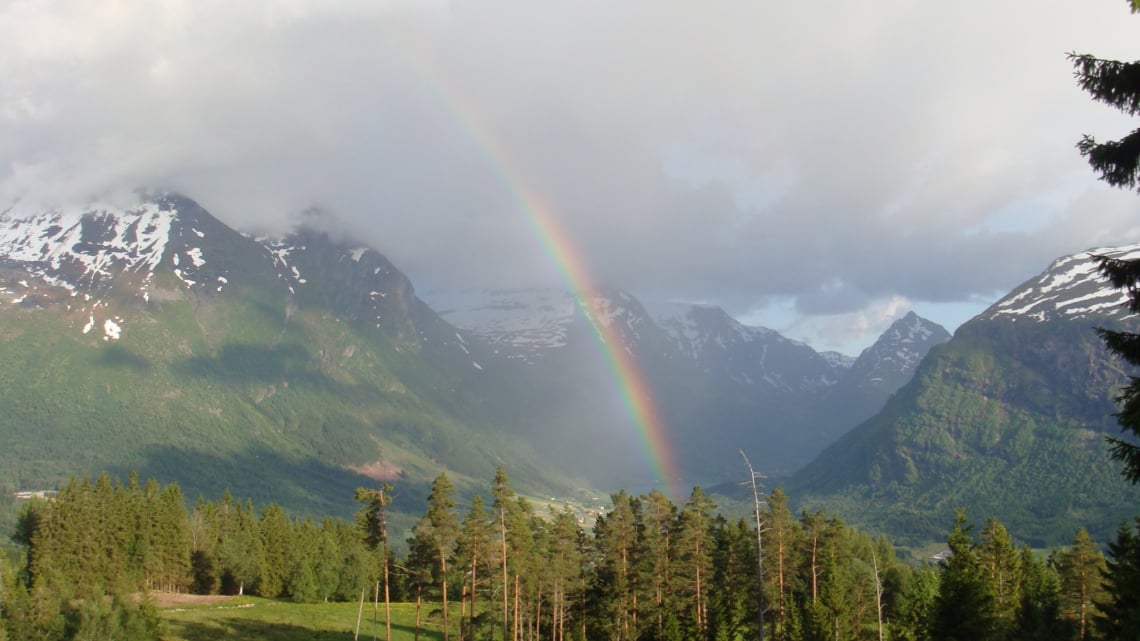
848,158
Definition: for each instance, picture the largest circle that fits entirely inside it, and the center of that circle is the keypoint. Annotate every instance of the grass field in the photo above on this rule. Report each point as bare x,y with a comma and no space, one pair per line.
256,619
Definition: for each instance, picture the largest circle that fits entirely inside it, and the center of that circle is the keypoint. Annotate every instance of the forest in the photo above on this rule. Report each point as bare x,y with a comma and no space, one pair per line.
645,570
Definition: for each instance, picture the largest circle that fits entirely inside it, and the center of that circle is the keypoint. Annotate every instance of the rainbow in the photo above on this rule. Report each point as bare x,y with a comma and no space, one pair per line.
633,387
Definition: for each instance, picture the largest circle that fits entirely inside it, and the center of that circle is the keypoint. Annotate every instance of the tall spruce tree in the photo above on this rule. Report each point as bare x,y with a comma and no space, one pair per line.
1117,162
1119,617
963,609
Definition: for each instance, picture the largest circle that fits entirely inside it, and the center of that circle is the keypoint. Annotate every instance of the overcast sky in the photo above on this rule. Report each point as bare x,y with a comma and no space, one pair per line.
820,168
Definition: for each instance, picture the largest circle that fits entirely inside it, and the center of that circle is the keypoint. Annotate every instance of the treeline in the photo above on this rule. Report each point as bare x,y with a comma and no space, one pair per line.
648,570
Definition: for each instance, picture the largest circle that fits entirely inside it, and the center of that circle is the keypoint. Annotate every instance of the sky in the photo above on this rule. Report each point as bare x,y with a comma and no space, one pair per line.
817,168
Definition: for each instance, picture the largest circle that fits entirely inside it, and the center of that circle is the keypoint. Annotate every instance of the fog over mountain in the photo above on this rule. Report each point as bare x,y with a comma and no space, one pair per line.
817,169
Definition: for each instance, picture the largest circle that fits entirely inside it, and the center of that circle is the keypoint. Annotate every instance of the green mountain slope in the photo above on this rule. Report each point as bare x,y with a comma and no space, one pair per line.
289,372
1007,419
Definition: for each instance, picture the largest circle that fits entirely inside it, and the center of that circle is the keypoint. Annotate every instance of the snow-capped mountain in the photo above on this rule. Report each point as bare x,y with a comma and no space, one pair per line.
521,322
529,324
178,293
100,261
716,342
1023,393
891,360
1070,288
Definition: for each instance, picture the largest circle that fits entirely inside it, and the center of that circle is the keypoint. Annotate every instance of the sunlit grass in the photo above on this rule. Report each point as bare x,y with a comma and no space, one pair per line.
257,619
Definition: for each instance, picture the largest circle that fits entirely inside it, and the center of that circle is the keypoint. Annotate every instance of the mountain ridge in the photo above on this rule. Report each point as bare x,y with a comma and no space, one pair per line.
1007,419
203,352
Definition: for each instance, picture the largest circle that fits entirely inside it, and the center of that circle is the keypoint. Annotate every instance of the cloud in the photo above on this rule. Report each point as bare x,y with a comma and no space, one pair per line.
838,155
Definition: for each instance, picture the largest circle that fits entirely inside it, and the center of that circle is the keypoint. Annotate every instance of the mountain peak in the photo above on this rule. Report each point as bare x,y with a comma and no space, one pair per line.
892,359
1072,287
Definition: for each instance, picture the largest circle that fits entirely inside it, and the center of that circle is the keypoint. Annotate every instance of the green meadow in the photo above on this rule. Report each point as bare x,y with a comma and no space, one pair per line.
257,619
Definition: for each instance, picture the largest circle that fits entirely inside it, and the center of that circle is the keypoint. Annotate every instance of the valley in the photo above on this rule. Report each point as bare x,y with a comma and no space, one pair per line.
157,340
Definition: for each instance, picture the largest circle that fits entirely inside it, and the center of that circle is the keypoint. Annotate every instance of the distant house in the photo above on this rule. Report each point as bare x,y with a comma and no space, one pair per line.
36,494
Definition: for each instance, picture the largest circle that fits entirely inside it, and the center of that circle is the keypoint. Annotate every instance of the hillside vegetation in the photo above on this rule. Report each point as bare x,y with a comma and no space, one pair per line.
1008,418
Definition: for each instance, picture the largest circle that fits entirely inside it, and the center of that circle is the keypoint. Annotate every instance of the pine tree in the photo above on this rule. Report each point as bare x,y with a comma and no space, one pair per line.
520,536
565,566
473,555
657,520
1081,569
1117,162
504,496
373,521
439,529
695,548
615,539
782,545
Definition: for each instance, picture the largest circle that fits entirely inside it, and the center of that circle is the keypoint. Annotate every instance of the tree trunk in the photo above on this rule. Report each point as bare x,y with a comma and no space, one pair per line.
419,602
516,622
387,602
503,550
443,587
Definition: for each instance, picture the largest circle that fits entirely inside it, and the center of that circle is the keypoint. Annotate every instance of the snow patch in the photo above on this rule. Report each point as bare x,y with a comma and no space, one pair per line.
111,330
195,256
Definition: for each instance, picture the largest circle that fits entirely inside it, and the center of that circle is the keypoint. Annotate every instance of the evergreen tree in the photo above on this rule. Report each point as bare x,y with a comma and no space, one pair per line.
439,529
356,568
1081,569
782,545
1038,615
303,584
328,564
733,598
373,521
1001,566
421,564
171,540
277,547
504,495
1117,162
565,567
963,609
1119,619
913,603
694,559
238,548
473,556
613,589
657,521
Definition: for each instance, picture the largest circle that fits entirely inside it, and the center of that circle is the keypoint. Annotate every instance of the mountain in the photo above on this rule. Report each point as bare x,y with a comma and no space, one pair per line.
879,371
153,338
720,385
1007,419
757,359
